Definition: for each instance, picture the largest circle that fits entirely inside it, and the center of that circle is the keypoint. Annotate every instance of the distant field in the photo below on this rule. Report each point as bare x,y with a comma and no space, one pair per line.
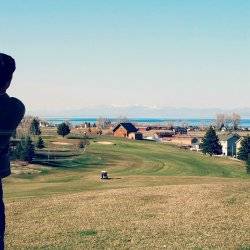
158,197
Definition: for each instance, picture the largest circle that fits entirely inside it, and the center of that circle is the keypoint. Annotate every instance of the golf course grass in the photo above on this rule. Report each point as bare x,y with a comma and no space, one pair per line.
158,197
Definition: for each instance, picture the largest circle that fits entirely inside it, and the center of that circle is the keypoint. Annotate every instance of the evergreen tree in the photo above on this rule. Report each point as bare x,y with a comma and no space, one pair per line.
40,143
63,129
35,127
210,143
244,150
248,165
25,150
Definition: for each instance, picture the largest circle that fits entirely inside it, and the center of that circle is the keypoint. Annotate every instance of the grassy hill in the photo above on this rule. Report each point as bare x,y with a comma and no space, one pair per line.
129,163
159,196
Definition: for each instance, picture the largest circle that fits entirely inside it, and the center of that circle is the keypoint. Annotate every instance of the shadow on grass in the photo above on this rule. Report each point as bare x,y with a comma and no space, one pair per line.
58,154
71,162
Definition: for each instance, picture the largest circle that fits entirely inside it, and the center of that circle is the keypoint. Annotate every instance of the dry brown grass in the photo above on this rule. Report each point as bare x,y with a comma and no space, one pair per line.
197,216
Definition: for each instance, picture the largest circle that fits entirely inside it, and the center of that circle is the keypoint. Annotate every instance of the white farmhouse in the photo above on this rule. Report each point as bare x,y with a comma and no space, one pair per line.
229,144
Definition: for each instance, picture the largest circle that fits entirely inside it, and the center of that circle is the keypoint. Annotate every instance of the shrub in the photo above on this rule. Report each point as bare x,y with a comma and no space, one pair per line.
40,143
24,150
35,127
244,150
63,129
248,166
83,143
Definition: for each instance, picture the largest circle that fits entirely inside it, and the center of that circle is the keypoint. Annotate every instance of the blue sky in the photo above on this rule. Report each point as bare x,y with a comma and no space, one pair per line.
77,54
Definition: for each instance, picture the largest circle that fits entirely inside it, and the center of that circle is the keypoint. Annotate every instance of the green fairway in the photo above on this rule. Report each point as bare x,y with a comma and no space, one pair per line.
129,163
63,187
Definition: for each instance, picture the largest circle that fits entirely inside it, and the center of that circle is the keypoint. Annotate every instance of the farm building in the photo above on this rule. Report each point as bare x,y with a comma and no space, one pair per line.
185,140
195,144
229,144
157,128
164,134
180,130
143,128
135,136
127,130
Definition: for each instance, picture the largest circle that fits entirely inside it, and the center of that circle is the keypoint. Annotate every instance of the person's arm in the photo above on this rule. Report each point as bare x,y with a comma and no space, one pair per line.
17,110
4,140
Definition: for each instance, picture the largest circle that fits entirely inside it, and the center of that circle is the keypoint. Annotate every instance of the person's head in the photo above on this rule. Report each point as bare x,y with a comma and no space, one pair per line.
7,68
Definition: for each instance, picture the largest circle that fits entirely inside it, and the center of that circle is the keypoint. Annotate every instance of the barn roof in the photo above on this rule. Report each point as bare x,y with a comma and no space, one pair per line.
126,125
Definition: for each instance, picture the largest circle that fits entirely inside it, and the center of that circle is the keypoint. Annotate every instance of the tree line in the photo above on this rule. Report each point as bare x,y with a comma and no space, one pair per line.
30,127
25,148
228,121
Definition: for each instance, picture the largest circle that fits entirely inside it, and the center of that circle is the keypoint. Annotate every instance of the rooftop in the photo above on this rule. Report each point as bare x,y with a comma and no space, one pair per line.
127,125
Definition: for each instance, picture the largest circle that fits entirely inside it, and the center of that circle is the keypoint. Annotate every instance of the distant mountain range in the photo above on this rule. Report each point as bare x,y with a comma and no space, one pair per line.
135,111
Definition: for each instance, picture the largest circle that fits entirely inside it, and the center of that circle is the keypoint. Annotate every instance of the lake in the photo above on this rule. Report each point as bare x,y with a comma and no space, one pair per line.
146,121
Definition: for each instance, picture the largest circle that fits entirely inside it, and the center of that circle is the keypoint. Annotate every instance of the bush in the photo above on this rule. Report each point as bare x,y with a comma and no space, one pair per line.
248,166
35,127
24,150
83,143
40,143
63,129
244,150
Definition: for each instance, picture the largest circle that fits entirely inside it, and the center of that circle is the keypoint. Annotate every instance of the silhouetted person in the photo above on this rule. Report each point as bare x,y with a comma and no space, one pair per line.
11,113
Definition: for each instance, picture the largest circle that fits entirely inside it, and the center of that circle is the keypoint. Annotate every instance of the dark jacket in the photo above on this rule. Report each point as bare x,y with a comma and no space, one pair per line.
11,113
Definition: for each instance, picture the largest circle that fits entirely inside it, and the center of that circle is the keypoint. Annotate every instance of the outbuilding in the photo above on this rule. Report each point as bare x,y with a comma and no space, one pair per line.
127,130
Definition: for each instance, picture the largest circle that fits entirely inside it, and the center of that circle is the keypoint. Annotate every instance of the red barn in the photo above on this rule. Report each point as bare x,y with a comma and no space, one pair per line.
127,130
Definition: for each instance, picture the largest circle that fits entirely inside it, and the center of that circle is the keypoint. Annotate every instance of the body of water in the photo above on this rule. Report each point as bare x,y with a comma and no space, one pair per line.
146,121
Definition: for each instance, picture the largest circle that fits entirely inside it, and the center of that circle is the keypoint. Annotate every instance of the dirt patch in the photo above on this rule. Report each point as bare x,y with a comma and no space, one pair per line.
19,167
105,142
25,170
61,143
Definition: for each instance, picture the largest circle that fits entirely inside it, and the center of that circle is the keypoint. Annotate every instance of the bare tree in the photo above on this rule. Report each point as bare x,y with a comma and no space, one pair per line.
230,121
121,119
103,123
236,120
220,121
24,126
